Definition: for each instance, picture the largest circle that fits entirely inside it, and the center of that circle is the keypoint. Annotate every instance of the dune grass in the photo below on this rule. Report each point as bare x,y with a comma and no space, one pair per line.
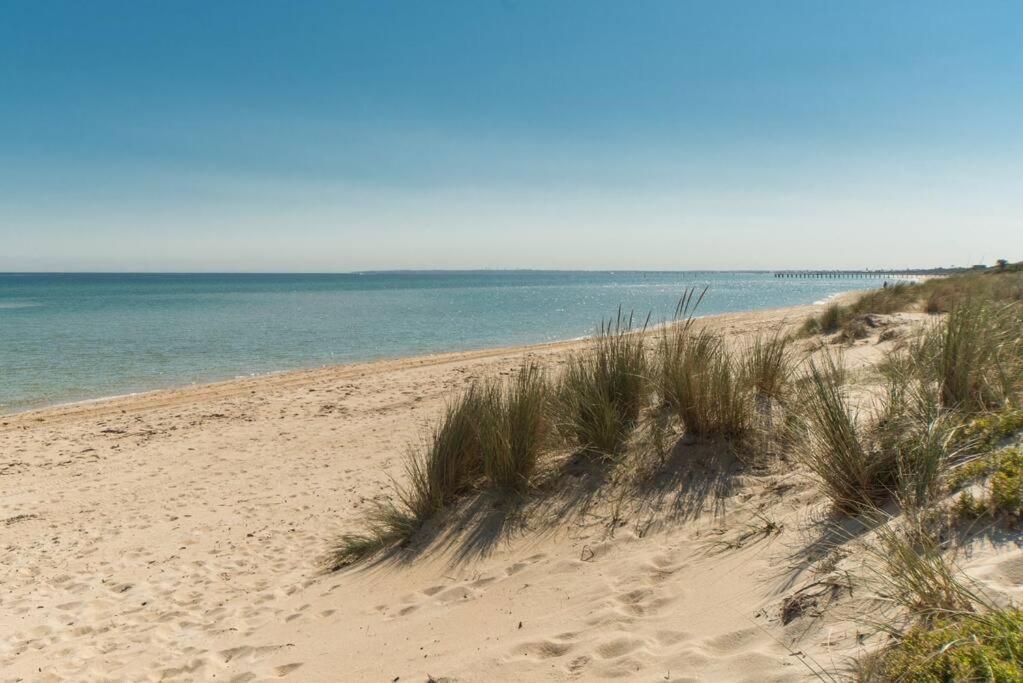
979,356
835,446
923,438
713,390
603,391
386,524
704,385
914,574
937,295
902,449
973,357
953,389
449,465
492,436
767,365
516,430
453,459
495,435
826,322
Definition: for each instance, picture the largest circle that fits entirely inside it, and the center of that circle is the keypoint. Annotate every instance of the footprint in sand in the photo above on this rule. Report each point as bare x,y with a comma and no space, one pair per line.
543,649
618,647
515,568
668,638
735,641
286,669
578,664
457,594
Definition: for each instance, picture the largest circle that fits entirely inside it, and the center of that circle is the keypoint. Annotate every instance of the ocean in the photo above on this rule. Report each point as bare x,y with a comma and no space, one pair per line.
72,337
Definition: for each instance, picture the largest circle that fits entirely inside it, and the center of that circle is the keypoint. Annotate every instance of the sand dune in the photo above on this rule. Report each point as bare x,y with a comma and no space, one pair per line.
176,535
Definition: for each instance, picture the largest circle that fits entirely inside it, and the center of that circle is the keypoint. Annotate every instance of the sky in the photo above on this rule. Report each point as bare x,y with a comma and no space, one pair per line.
338,136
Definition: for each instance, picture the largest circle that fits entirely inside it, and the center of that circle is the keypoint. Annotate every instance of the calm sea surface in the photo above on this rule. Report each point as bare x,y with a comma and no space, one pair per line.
74,337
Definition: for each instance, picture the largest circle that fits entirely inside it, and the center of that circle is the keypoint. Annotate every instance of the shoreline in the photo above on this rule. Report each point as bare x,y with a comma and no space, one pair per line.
175,394
106,365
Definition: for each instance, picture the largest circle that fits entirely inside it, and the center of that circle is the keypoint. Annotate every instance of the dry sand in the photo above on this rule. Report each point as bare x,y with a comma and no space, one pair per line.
176,535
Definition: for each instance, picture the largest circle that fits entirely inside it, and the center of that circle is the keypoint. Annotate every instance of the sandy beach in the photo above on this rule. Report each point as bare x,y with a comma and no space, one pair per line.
178,534
511,341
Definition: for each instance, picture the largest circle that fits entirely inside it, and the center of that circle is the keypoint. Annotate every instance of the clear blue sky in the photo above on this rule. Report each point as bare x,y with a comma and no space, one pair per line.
332,136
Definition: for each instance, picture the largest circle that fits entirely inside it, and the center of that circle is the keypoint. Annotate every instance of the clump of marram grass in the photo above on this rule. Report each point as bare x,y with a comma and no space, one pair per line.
711,388
451,462
516,430
911,571
923,438
901,450
835,446
386,524
603,391
705,385
974,356
826,322
492,436
851,318
923,456
981,355
767,365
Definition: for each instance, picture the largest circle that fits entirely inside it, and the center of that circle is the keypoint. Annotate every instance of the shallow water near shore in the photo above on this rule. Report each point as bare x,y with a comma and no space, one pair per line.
70,337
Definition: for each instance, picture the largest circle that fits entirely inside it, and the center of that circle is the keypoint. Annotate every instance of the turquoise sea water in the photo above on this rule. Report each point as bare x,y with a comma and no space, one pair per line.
71,337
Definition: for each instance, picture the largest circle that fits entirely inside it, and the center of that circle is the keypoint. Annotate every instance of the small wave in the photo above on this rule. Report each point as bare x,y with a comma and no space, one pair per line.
829,297
17,304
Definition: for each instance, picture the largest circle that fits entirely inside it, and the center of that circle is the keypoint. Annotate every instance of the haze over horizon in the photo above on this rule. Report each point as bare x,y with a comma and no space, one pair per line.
577,135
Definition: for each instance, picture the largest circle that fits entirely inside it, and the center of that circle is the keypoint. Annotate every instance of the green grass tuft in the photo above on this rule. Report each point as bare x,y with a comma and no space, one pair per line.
713,390
767,365
836,448
453,460
603,391
703,383
386,524
516,430
914,573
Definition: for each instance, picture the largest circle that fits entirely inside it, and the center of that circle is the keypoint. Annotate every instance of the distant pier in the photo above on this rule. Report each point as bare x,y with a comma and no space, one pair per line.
860,274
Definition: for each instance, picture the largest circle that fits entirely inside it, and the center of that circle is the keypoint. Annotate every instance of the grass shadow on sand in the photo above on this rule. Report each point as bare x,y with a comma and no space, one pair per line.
693,480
